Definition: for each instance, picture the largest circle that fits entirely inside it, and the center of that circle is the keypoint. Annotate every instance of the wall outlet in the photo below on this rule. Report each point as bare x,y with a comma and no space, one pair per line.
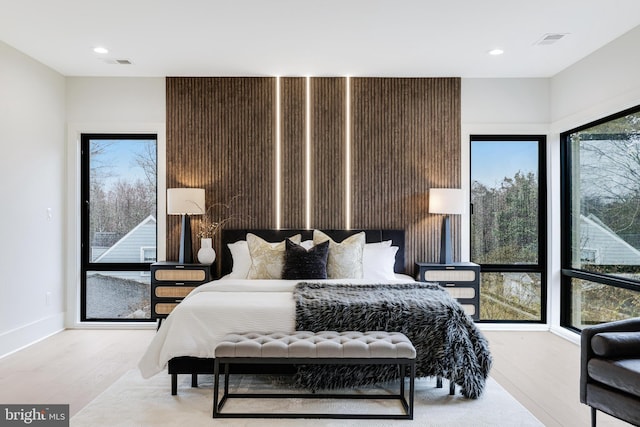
49,214
47,298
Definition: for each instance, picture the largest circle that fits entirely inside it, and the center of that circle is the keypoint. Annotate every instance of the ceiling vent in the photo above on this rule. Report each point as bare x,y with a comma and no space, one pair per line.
118,61
550,38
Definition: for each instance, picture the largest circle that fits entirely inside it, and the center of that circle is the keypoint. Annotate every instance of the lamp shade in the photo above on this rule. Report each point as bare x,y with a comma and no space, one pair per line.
446,201
182,201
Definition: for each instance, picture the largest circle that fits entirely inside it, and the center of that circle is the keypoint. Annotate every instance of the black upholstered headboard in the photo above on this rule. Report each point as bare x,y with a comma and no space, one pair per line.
372,236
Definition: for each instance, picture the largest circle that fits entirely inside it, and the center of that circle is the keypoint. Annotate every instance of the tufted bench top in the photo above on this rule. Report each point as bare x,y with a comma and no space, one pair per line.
325,344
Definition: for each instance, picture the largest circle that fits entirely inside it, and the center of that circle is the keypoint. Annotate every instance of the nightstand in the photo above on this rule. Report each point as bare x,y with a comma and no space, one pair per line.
461,280
171,282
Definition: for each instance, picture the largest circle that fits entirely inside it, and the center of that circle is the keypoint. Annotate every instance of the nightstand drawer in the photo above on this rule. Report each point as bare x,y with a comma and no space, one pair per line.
179,275
461,293
450,276
164,308
470,309
173,291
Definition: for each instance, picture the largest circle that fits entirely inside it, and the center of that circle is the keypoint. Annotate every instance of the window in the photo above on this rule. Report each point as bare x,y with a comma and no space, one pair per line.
601,221
508,226
118,226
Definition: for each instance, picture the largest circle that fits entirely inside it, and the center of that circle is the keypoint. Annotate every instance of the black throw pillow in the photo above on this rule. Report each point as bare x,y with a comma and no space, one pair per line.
300,263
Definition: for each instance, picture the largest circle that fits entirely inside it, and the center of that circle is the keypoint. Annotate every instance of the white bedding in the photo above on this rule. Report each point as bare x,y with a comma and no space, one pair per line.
217,308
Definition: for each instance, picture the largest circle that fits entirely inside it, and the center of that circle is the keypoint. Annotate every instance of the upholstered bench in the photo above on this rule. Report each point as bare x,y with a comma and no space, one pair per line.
321,348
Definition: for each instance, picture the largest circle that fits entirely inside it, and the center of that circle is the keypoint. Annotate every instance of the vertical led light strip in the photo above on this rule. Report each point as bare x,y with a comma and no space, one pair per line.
347,154
308,153
278,156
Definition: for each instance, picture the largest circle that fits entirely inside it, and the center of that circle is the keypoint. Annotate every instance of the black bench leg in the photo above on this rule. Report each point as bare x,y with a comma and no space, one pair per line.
593,417
412,377
452,387
174,384
216,385
194,380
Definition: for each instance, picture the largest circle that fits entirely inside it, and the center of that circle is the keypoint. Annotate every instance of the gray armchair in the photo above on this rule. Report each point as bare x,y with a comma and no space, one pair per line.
610,369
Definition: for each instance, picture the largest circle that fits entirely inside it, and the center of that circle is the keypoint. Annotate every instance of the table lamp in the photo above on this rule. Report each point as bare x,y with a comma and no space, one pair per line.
446,201
185,202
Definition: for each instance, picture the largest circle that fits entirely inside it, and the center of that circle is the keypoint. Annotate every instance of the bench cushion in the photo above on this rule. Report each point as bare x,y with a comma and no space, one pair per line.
325,344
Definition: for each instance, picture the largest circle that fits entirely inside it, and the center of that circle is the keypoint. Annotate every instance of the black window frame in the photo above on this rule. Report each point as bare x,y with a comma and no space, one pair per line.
86,265
567,271
542,266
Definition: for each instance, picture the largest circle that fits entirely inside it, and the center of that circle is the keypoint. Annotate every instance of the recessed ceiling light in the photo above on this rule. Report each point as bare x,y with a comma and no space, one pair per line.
100,49
496,52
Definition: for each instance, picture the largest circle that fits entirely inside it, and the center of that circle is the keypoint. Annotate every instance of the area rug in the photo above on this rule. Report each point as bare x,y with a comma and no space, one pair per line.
134,401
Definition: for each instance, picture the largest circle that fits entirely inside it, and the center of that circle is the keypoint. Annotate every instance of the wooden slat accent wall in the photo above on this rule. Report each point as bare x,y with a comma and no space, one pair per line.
293,105
220,137
328,153
405,139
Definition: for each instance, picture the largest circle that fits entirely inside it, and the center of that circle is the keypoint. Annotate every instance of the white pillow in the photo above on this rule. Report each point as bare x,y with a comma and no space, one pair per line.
307,244
378,262
384,243
241,260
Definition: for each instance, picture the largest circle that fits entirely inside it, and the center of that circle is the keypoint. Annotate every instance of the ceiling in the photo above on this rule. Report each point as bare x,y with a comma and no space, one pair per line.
393,38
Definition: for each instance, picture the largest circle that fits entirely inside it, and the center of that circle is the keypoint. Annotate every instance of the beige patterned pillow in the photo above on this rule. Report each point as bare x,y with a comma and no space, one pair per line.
345,258
267,259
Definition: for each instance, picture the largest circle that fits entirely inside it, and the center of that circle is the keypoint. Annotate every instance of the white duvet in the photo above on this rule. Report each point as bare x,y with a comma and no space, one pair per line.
217,308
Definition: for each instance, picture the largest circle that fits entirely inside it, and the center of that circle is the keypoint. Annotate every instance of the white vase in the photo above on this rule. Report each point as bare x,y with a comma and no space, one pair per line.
206,254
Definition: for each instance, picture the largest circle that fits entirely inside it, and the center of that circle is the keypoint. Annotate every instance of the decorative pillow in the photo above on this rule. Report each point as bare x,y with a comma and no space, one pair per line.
378,262
300,263
241,259
345,258
267,259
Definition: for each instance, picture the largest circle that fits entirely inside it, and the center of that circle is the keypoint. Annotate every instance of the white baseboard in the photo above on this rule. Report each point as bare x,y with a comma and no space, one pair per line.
24,336
536,327
566,334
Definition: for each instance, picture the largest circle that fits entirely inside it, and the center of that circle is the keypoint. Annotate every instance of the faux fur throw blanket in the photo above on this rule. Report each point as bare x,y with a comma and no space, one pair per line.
447,342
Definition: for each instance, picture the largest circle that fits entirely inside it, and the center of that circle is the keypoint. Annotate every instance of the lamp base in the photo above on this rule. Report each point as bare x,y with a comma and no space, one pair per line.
186,246
446,256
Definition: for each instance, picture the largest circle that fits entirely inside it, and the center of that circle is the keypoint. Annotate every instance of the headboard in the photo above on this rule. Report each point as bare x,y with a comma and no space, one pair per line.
372,236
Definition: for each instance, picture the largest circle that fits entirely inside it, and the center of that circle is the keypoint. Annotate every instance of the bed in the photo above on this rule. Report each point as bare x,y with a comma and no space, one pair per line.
382,299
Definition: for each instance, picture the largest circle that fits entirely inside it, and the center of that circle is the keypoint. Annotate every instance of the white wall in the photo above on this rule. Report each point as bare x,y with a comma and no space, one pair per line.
603,83
599,85
504,107
108,105
32,167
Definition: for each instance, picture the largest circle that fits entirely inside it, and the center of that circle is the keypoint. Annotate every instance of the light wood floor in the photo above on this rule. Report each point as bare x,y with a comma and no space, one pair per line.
539,369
